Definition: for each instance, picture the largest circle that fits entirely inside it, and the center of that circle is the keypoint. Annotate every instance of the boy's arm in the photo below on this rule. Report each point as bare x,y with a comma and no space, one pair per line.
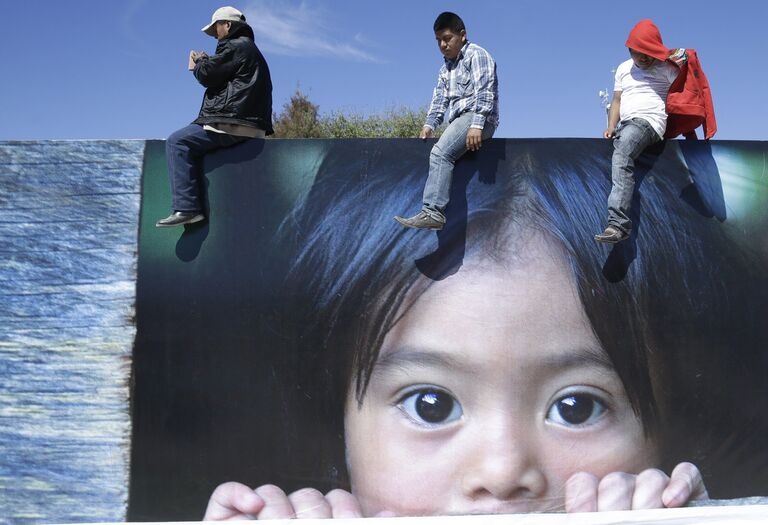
613,115
215,71
679,56
483,69
438,105
194,56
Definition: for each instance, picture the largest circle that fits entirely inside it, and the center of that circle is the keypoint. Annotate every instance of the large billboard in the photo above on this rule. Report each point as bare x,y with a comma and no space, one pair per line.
302,338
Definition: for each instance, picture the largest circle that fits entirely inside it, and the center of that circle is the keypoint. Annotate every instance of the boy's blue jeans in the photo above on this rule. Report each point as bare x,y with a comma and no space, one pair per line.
632,137
184,152
451,145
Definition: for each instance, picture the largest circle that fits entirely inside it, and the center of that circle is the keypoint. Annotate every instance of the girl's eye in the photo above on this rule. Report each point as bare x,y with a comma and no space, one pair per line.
431,406
576,410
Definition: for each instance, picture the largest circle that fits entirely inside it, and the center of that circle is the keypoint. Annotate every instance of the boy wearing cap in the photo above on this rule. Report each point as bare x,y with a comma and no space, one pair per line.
237,105
467,89
637,119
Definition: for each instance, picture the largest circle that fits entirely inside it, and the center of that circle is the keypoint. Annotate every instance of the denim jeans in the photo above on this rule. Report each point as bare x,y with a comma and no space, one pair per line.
184,152
632,137
451,145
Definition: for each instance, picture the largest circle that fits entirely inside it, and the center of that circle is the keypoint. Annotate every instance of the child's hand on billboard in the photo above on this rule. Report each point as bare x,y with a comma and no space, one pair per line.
651,489
235,501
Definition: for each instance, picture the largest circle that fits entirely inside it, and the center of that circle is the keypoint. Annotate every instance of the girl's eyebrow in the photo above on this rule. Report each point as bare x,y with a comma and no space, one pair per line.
408,356
405,357
577,358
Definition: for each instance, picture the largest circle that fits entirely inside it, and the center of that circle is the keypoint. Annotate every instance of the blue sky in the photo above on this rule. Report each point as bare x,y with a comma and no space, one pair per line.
117,69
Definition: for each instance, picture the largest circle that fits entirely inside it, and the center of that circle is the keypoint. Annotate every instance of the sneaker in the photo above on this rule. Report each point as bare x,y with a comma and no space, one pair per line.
178,218
421,221
611,235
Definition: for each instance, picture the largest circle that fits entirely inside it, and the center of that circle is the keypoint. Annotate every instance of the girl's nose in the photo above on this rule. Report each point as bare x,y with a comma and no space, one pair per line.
503,466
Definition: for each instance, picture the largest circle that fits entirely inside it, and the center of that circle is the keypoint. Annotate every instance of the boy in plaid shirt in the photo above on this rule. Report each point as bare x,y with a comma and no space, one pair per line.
467,90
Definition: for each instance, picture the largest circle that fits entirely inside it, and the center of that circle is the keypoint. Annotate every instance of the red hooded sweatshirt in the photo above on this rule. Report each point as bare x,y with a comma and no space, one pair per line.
689,102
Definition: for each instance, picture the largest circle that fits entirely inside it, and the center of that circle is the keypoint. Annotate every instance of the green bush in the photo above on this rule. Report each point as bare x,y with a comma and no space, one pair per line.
300,118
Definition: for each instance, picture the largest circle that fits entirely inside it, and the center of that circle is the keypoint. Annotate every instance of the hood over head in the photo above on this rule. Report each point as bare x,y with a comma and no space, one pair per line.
646,38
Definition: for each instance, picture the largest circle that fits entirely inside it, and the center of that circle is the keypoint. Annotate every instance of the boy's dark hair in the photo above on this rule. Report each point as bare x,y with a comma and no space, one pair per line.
448,20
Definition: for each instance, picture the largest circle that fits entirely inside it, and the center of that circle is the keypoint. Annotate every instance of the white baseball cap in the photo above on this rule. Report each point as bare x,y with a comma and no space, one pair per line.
223,14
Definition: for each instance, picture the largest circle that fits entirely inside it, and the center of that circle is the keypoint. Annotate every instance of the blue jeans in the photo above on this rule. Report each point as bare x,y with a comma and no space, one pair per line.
632,137
451,145
184,152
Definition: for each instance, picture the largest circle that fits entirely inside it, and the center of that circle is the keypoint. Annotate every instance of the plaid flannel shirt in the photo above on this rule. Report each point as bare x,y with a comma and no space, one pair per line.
467,83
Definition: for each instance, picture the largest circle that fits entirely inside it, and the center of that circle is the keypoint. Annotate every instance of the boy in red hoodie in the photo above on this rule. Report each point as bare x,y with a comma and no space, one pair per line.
637,119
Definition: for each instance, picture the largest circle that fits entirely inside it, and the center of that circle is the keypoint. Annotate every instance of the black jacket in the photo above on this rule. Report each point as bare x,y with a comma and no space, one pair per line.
239,87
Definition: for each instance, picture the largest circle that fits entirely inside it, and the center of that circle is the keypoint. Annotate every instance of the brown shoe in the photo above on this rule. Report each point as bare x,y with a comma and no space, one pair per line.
421,221
612,235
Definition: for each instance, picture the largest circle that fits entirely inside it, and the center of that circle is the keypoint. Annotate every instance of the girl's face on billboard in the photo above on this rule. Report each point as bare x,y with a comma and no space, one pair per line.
489,393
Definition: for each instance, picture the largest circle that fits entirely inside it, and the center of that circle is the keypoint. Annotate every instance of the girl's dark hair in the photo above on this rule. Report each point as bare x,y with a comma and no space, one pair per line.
678,308
448,20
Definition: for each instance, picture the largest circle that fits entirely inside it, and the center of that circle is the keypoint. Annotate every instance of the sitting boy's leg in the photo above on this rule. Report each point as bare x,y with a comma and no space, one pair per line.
631,140
451,145
184,151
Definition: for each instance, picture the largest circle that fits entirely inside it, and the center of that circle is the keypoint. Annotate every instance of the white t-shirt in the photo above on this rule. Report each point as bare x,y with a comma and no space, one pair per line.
235,129
644,92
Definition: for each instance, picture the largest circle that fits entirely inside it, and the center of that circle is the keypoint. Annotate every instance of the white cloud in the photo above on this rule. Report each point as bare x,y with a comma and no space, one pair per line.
131,31
299,29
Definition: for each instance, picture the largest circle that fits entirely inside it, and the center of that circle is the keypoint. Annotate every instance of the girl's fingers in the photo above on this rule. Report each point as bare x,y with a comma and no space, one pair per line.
584,492
276,503
343,504
651,489
233,501
649,486
310,503
581,493
686,484
615,492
